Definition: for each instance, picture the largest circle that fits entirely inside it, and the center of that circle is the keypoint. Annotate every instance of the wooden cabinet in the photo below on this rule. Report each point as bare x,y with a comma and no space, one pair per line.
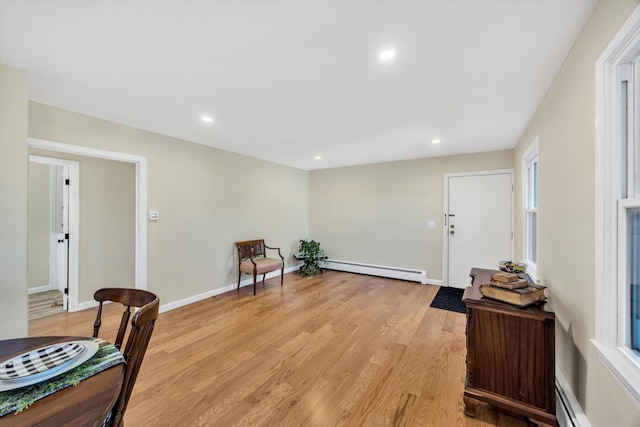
510,355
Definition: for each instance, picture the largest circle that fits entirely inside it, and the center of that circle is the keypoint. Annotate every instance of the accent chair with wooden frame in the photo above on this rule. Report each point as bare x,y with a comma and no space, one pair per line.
252,260
139,335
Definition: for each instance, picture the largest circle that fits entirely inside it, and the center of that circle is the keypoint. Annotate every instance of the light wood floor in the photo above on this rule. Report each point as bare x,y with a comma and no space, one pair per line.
334,349
45,304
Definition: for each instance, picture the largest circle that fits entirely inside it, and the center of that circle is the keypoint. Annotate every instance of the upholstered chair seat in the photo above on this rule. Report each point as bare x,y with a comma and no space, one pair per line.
263,265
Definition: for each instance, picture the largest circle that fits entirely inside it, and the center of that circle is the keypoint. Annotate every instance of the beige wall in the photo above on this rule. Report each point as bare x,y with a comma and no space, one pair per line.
107,223
565,121
38,225
14,94
377,214
206,198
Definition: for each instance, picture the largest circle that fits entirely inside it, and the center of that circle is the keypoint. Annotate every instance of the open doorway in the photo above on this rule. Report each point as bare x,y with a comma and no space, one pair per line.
105,241
114,206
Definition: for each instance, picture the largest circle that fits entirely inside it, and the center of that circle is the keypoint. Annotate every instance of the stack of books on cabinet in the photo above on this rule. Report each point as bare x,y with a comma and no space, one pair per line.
510,288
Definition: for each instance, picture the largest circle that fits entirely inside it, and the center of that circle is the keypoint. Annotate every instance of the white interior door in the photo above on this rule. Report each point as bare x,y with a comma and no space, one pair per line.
60,209
63,250
478,223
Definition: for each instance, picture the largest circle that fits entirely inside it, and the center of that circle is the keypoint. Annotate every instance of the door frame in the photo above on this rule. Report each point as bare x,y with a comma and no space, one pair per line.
73,226
140,163
445,231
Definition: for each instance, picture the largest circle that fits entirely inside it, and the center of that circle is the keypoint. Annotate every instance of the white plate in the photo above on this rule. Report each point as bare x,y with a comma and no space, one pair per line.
90,348
54,362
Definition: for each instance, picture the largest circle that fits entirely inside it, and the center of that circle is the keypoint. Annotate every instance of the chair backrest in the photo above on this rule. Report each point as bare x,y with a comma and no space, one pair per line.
250,248
139,335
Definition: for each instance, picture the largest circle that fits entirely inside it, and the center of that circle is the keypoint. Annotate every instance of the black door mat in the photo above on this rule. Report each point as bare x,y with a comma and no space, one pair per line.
449,298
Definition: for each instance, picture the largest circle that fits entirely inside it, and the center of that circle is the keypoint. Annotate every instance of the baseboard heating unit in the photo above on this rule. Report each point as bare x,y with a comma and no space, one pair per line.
377,270
568,410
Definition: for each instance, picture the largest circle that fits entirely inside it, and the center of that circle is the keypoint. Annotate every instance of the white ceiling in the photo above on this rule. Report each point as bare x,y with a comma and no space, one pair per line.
290,80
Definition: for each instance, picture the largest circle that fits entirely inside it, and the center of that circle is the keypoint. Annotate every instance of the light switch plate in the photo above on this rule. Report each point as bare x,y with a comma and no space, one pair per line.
431,224
153,215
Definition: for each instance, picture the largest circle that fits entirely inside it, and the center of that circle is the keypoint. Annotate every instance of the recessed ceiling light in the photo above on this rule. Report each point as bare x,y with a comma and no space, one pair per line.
435,141
318,157
207,119
387,55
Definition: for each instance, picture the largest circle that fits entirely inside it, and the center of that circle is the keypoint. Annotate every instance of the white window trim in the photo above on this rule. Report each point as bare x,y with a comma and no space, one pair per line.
532,152
624,311
606,342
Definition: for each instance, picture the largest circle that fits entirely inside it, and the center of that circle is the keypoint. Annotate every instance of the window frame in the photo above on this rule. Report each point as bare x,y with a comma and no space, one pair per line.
530,156
611,201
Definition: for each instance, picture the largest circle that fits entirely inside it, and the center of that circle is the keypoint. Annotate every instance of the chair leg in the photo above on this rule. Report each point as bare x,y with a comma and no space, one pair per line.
263,276
281,274
239,273
255,274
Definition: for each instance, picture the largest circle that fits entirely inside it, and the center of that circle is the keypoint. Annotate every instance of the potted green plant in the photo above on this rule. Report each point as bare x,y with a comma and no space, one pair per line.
312,256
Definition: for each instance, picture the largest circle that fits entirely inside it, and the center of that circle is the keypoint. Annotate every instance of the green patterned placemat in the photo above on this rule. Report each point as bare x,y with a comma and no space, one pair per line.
20,399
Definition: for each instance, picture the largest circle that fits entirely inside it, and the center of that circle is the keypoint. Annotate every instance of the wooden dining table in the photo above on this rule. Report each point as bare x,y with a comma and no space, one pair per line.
86,404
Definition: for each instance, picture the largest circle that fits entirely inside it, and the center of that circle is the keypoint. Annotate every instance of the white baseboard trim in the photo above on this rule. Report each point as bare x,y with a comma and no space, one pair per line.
568,409
377,270
195,298
373,270
38,289
86,305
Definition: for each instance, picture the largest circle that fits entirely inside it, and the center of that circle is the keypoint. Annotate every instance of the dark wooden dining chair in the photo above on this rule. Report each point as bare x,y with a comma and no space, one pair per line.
139,335
252,259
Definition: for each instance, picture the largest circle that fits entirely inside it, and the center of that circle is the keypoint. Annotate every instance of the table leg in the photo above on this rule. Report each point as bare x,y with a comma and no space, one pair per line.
470,405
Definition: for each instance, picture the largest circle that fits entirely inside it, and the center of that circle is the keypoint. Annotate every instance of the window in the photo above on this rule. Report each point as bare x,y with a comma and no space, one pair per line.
617,339
530,179
630,274
628,220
